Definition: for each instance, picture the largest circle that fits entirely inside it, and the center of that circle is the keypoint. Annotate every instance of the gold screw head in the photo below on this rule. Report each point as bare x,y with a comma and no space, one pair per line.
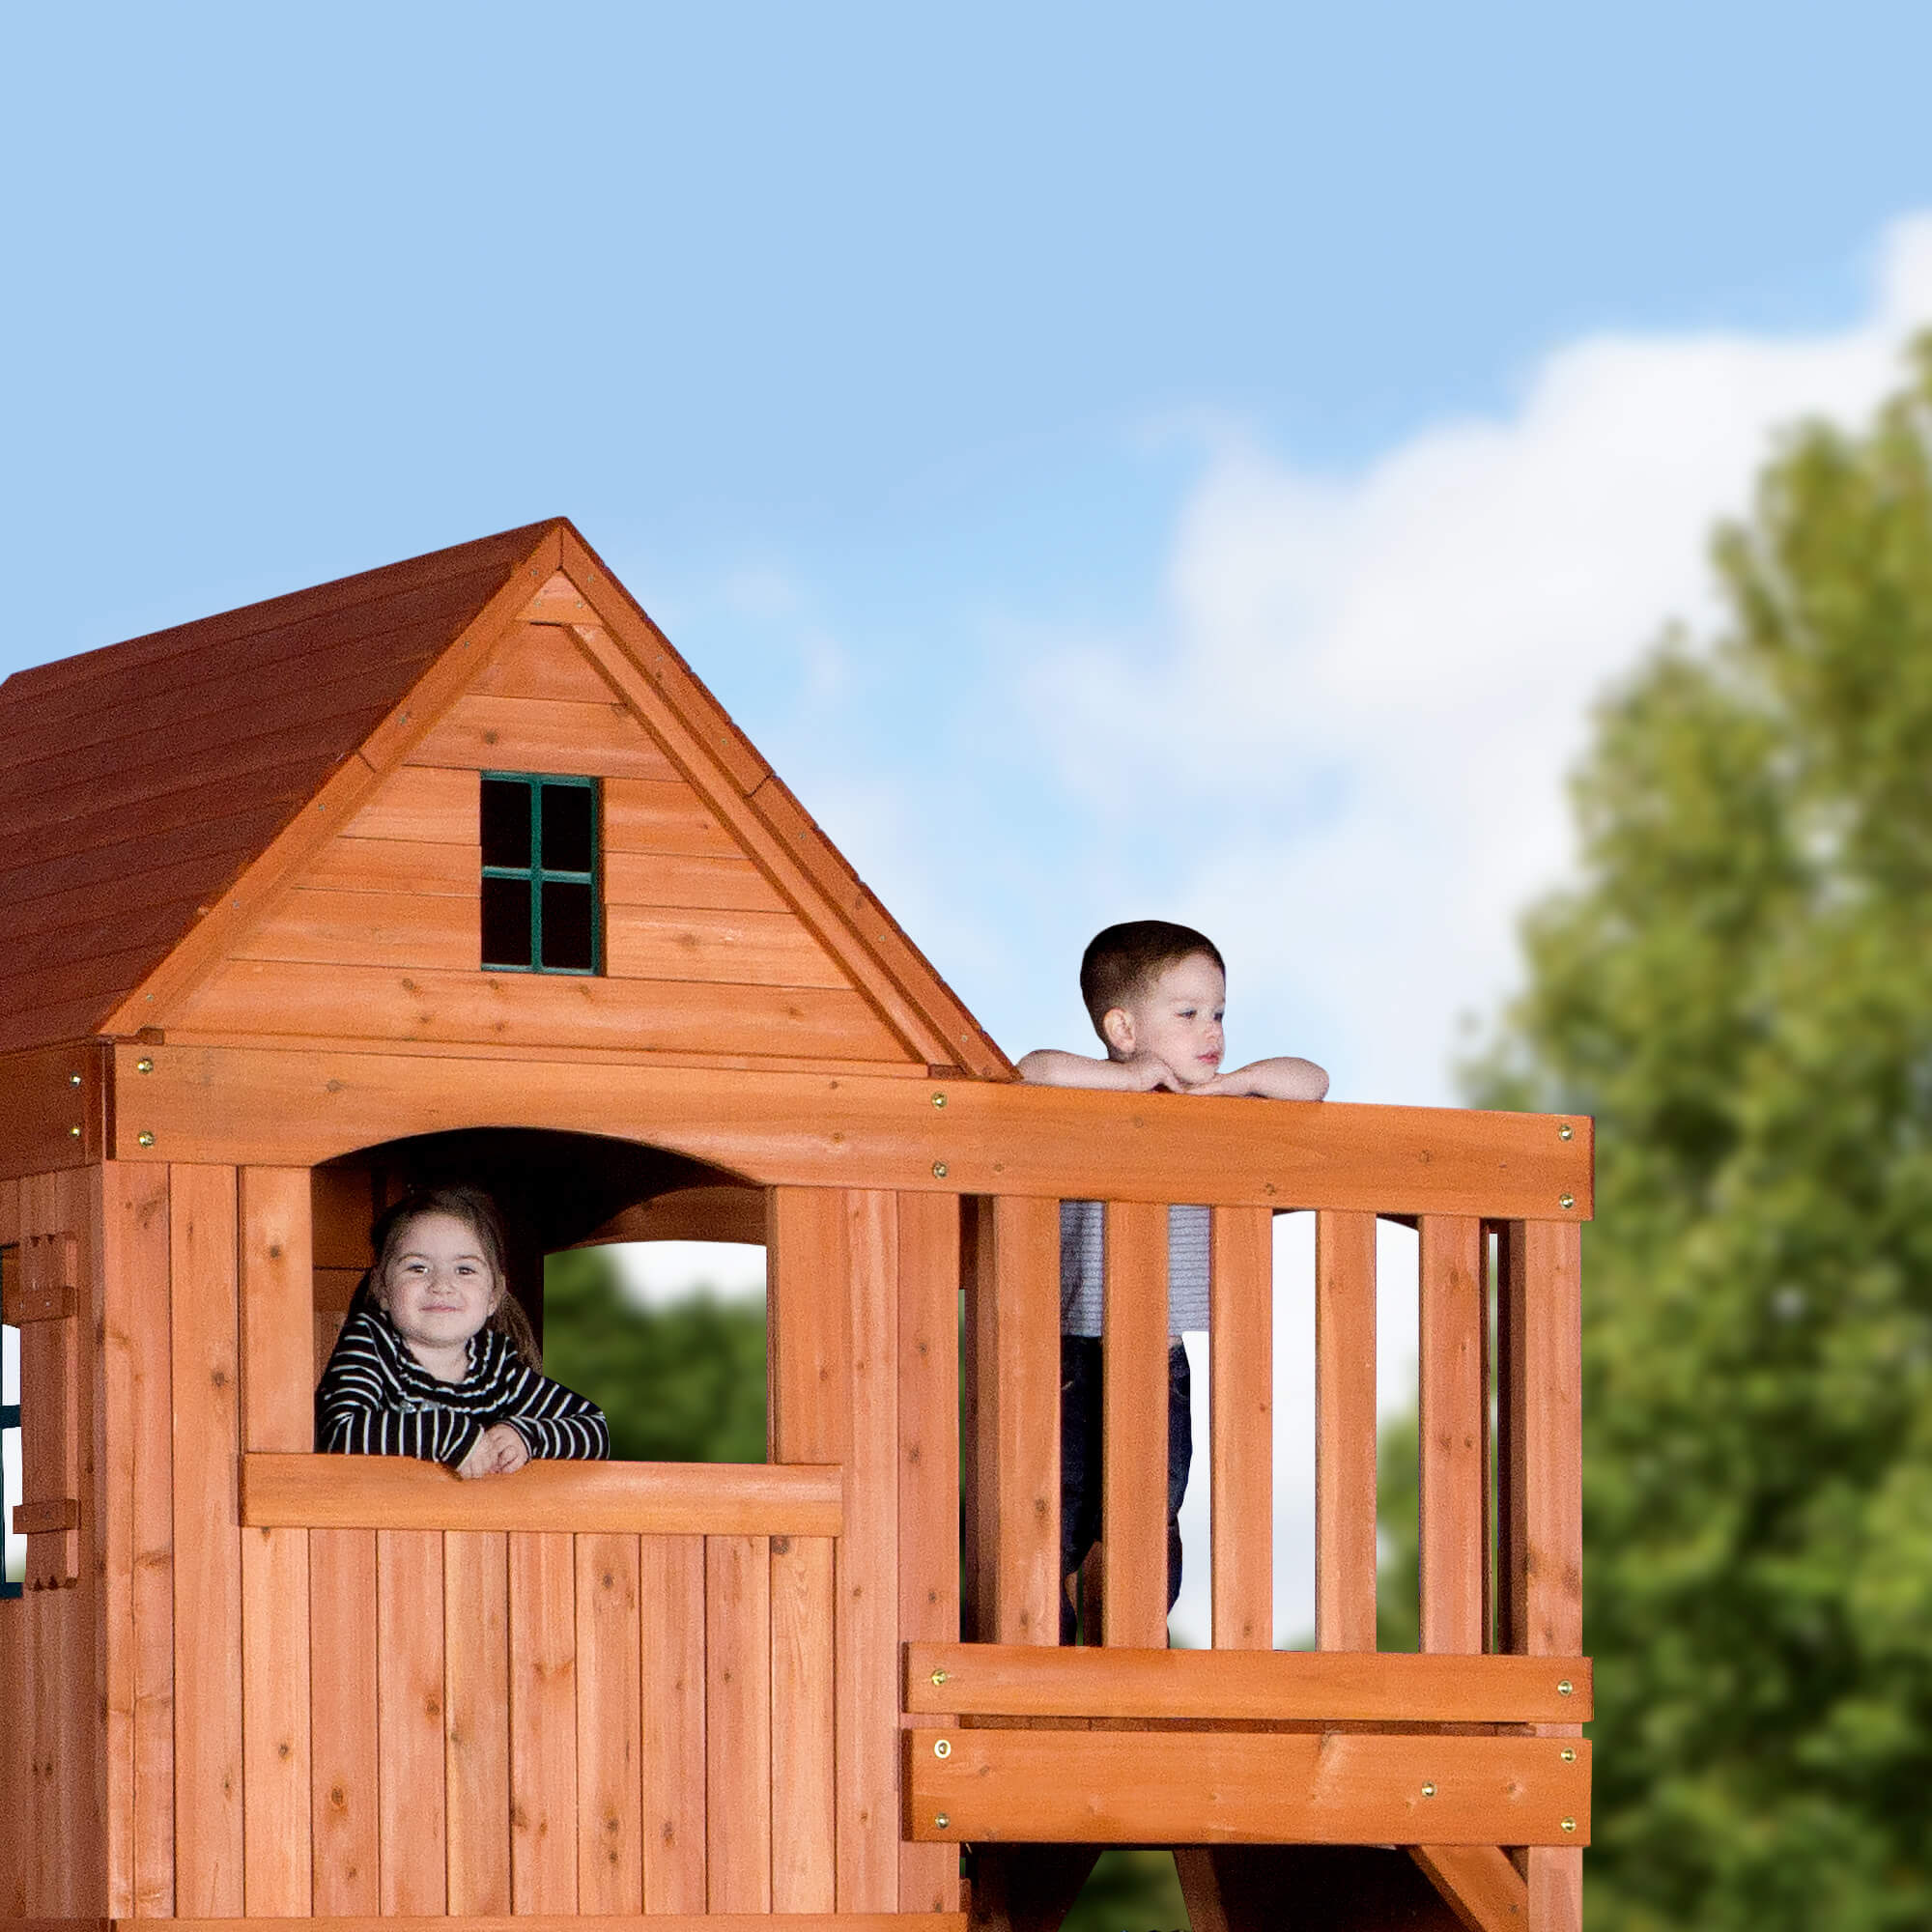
74,1079
939,1099
1566,1133
1563,1688
1566,1201
144,1138
942,1748
144,1066
1569,1755
939,1677
939,1170
1569,1823
940,1821
1429,1791
73,1134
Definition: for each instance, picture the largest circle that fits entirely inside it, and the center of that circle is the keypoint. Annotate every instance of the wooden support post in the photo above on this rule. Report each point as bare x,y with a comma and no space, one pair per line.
1344,1432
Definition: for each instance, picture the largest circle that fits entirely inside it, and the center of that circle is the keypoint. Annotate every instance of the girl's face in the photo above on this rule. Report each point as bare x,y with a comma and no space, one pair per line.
438,1288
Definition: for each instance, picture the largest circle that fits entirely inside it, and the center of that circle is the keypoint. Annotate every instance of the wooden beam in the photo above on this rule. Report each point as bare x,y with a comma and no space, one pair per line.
540,1921
1256,1685
623,1498
52,1108
843,1130
1243,1787
1478,1884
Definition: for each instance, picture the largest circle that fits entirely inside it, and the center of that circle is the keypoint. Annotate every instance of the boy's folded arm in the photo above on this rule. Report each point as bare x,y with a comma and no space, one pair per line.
1051,1067
1284,1078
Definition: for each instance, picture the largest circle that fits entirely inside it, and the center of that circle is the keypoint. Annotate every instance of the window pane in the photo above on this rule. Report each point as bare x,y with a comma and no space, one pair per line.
566,927
507,923
506,824
566,828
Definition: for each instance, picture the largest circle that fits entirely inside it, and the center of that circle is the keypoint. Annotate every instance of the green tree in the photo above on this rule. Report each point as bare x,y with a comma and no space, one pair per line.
1740,988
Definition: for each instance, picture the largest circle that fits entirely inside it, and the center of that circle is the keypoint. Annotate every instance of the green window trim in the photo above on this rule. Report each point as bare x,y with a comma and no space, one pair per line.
542,874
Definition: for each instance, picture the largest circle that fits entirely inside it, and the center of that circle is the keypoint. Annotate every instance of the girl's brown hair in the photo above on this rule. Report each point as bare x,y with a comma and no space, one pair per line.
477,1212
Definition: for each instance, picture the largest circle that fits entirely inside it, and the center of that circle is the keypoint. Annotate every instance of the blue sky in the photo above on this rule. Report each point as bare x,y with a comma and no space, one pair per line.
1113,460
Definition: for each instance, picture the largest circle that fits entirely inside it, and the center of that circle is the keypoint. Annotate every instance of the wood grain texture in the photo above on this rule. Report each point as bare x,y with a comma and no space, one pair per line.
345,1782
808,1329
1241,1293
738,1724
623,1498
277,1301
542,734
1133,1510
741,948
394,866
843,1129
664,816
677,879
420,804
476,1734
1479,1884
542,1922
670,1593
1344,1432
803,1828
1272,1686
867,1565
1453,1399
544,661
316,927
412,1820
543,1724
609,1708
207,1552
1233,1787
275,1766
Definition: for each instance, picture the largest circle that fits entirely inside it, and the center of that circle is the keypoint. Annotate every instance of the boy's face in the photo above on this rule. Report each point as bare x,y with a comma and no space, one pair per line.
1177,1017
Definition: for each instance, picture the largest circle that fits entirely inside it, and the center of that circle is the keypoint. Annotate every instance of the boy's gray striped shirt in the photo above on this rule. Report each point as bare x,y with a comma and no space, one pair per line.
1082,1248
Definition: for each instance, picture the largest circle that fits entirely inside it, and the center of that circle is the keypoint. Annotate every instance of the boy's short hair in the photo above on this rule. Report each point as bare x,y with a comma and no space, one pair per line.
1122,959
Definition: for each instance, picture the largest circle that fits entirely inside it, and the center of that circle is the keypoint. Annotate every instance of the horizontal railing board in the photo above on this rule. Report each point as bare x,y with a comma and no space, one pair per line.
1234,1787
227,1105
1260,1685
289,1492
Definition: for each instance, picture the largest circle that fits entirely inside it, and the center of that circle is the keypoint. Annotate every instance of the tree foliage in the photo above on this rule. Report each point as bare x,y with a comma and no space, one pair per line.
1740,989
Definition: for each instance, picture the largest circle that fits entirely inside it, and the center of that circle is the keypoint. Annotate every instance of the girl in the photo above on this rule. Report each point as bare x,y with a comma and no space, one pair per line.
437,1360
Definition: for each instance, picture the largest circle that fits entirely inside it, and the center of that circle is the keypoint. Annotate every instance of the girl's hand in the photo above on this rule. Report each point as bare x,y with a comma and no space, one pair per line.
497,1451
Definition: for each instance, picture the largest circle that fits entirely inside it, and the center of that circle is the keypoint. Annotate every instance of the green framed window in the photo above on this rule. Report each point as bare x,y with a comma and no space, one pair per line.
14,1561
541,900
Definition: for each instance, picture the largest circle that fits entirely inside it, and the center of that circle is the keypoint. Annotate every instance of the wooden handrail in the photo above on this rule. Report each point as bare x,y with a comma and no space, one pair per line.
628,1498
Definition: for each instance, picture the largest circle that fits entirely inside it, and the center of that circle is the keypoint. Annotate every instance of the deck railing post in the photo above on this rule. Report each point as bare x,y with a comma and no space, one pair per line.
1345,1431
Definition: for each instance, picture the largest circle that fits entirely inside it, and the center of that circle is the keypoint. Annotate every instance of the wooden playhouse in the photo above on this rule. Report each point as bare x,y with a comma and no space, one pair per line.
455,866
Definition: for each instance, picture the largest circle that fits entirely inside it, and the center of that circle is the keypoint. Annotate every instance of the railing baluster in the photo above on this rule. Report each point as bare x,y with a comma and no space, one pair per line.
1345,1431
1020,1290
1452,1398
1241,1372
1133,1505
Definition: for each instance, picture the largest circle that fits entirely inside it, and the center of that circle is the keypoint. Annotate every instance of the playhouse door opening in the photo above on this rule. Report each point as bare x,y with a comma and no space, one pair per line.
641,1272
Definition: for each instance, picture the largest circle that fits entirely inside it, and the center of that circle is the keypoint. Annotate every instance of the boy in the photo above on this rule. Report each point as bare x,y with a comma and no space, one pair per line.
1156,992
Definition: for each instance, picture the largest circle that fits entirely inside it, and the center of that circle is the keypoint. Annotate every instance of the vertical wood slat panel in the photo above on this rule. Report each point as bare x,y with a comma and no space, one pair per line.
930,1430
1019,1300
207,1542
413,1854
137,1326
803,1832
476,1735
1452,1400
1242,1383
867,1569
738,1724
1345,1431
277,1414
1133,1429
543,1724
670,1596
13,1754
809,1325
344,1792
1547,1586
117,1570
609,1715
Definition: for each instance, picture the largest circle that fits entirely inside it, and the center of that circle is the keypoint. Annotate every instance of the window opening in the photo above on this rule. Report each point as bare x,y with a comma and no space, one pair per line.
540,899
13,1569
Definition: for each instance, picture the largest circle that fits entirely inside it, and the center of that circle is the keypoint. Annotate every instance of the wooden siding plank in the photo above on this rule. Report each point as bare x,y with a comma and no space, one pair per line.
532,734
664,816
678,879
1453,1399
477,1743
808,1326
396,866
378,1003
343,1722
276,1835
330,928
277,1386
867,1564
804,1831
670,1594
738,1724
1258,1686
409,1691
544,661
929,1498
618,1498
809,1128
1133,1509
208,1553
1023,1296
609,1712
543,1724
1242,1382
432,805
1234,1787
740,948
1344,1432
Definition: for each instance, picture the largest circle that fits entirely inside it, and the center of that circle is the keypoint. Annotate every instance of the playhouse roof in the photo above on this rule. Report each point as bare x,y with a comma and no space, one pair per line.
160,792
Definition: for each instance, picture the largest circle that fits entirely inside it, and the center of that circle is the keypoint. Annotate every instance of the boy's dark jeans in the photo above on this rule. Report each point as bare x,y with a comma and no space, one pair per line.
1081,1406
